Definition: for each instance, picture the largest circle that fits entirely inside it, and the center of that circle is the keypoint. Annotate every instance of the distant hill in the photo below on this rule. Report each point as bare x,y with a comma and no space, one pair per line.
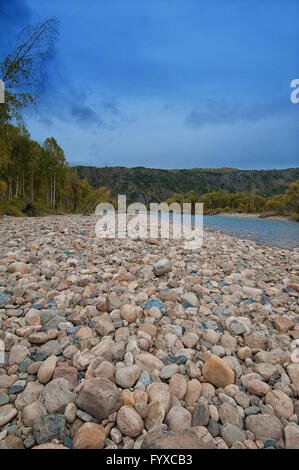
153,185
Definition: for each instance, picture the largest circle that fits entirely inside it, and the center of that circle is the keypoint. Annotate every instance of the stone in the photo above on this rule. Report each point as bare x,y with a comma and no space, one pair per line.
280,403
18,267
128,398
104,325
129,422
7,414
178,386
291,437
147,361
17,354
47,428
127,376
229,414
56,395
231,433
217,372
178,419
99,397
155,414
257,387
162,267
89,436
159,392
168,371
201,416
128,313
173,440
193,391
293,372
32,317
264,426
46,369
68,373
32,411
15,441
283,323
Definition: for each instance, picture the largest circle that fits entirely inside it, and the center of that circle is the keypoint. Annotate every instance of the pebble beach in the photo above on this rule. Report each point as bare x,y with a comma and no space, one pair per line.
144,344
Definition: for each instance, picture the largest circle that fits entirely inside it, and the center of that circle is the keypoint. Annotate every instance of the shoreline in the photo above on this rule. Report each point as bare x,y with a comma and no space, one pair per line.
256,215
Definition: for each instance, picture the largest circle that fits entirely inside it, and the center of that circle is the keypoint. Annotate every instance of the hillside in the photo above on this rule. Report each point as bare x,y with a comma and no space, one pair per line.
154,185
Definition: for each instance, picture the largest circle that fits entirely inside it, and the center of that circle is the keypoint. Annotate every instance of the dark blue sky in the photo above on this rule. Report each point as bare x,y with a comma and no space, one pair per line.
168,83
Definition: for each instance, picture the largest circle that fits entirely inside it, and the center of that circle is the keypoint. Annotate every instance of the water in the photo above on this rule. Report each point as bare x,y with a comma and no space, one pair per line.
281,233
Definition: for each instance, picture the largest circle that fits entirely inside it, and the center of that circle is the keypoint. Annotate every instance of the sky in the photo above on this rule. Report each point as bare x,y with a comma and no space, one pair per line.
167,83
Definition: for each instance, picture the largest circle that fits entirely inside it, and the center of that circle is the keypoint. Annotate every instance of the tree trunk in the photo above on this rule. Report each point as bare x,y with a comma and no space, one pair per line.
32,181
17,186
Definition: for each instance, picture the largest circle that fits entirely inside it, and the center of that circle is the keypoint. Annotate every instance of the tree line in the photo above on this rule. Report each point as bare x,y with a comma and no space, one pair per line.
248,202
35,178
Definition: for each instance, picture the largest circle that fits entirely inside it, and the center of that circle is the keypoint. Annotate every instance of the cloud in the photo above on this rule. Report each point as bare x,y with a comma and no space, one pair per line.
219,112
85,115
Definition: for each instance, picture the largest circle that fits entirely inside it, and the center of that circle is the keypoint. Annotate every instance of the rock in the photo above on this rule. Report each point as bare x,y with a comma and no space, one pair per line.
280,403
68,373
17,354
32,317
283,323
173,440
159,392
191,299
161,267
293,371
14,441
266,370
178,386
148,361
264,426
129,422
178,419
56,395
128,398
291,437
47,428
257,387
46,369
104,325
18,267
7,414
229,414
32,411
90,436
168,371
127,376
128,313
217,372
99,397
193,391
200,416
50,445
231,433
155,414
70,412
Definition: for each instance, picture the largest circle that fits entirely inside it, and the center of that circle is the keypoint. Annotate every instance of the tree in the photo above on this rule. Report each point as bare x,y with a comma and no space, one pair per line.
23,70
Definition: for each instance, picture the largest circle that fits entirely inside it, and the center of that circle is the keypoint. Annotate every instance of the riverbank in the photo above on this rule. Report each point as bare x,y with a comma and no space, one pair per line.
259,215
195,348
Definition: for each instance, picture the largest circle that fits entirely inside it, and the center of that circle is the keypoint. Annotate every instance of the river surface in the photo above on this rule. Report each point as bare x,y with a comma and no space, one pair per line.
281,233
